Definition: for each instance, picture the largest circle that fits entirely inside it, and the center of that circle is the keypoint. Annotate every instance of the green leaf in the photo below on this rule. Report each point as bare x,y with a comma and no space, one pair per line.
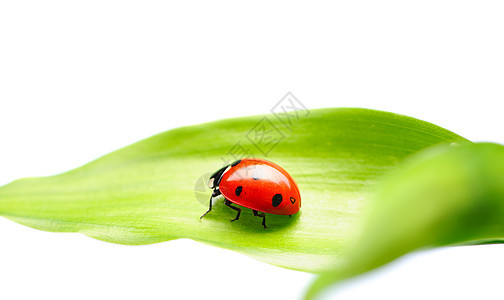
442,196
145,193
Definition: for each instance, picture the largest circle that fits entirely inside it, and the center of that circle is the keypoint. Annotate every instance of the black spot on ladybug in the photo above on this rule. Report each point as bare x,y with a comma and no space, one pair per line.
238,190
293,200
235,163
277,199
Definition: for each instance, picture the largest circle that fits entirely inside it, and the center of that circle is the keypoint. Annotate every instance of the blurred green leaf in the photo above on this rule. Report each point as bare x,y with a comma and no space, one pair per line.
442,196
145,193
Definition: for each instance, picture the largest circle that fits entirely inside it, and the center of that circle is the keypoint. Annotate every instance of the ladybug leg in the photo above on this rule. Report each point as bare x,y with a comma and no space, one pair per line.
263,215
209,208
228,203
214,194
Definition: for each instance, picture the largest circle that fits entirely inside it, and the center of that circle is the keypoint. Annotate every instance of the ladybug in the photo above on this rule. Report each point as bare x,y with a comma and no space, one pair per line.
258,184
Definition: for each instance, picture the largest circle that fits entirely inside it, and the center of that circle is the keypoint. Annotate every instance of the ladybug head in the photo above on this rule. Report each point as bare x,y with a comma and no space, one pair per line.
215,179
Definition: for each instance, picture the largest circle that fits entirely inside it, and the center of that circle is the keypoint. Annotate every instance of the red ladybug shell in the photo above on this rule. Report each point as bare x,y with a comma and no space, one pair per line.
261,185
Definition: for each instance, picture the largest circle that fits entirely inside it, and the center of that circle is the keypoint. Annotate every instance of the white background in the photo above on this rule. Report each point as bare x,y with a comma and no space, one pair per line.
79,79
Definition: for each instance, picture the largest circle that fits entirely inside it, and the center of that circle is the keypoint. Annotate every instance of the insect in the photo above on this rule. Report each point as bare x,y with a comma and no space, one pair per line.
258,184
